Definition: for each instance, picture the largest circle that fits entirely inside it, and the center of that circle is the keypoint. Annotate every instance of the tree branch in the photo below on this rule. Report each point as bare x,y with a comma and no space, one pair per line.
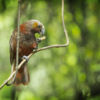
18,39
41,49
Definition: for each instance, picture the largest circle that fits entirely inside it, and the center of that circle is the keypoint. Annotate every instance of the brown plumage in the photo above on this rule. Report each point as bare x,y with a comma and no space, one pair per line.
26,45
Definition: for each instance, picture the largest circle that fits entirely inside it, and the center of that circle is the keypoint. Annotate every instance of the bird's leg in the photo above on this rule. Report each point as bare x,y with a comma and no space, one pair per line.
26,58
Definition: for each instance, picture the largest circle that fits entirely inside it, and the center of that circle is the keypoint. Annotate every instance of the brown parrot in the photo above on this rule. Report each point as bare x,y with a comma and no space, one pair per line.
27,43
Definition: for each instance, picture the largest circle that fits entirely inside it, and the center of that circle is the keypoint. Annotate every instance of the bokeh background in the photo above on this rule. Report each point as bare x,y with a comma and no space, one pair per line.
71,73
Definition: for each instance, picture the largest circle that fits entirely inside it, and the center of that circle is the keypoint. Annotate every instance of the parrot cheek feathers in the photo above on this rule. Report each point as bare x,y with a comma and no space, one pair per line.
35,30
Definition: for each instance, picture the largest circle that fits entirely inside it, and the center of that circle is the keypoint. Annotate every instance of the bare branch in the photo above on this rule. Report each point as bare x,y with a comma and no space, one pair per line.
65,31
41,49
18,39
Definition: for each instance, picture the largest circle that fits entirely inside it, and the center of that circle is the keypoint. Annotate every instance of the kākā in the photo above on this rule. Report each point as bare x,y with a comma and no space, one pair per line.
27,43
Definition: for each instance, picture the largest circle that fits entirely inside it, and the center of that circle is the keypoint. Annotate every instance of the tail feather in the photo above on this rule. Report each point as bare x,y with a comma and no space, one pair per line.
22,76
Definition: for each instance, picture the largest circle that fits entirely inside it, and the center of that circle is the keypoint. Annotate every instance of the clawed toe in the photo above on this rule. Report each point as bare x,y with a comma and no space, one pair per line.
38,40
26,58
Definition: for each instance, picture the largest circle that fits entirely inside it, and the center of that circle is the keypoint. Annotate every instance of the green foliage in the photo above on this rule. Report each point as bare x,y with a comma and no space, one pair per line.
56,74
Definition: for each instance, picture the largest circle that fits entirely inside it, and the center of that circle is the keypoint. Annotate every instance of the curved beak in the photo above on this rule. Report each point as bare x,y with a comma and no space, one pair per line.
42,31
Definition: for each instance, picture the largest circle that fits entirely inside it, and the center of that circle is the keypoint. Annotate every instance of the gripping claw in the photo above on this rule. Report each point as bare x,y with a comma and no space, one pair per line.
38,40
25,57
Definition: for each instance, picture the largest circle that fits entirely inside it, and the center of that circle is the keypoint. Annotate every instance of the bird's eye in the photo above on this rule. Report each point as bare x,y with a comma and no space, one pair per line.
39,26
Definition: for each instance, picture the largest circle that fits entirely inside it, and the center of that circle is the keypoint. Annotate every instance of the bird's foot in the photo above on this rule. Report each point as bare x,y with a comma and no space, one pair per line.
26,58
38,40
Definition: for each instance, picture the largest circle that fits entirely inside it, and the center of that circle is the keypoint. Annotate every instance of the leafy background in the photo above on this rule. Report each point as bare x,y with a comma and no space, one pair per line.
71,73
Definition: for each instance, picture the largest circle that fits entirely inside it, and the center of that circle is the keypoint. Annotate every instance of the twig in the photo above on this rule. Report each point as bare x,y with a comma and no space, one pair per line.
65,31
41,49
17,47
18,35
18,39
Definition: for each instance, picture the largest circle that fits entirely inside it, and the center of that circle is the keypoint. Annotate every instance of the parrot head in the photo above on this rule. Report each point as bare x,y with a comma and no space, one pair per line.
35,26
38,27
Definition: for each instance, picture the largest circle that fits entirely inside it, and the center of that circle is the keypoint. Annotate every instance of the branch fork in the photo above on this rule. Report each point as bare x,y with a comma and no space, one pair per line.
40,49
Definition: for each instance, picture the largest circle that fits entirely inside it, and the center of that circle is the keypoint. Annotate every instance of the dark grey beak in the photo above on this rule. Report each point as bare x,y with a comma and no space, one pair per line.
42,31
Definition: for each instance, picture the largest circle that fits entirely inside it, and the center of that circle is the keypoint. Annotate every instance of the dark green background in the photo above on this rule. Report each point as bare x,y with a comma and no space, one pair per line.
71,73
